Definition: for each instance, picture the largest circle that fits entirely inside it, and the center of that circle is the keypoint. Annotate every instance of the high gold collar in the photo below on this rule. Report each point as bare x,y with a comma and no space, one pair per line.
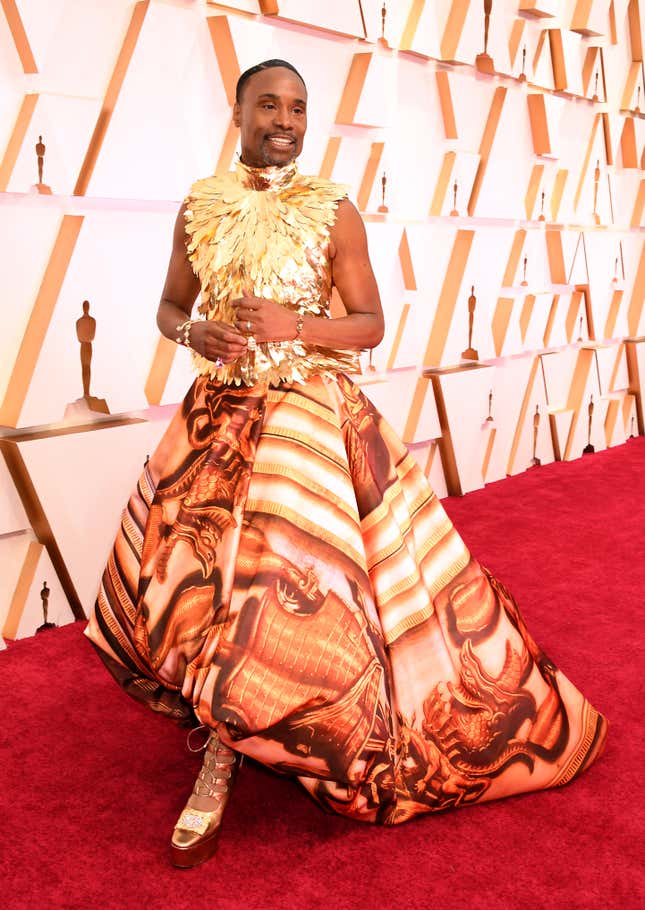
266,178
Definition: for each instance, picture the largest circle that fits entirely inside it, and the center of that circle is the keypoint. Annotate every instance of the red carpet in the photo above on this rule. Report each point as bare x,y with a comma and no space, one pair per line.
85,822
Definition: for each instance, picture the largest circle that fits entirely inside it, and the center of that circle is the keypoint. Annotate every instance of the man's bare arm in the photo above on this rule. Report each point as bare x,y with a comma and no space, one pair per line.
210,338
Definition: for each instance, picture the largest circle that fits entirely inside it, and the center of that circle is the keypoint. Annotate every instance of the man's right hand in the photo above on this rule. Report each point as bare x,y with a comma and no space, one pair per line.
217,340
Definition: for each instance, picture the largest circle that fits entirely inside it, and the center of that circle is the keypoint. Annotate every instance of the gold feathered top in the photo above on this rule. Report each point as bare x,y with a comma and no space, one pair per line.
265,231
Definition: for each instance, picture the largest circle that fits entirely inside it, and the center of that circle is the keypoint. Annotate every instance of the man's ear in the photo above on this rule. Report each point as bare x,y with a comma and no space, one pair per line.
236,114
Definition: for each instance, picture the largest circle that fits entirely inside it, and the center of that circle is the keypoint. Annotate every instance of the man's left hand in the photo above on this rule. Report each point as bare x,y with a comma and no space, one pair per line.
264,319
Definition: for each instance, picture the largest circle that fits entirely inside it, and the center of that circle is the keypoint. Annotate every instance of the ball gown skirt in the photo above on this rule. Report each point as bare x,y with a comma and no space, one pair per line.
284,573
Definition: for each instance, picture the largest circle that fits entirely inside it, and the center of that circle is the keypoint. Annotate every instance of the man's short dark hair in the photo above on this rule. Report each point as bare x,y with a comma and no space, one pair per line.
265,65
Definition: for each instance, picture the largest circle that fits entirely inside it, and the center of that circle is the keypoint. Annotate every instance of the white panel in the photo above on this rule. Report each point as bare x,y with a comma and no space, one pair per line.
12,514
83,498
13,549
75,43
337,15
170,119
66,126
119,265
28,235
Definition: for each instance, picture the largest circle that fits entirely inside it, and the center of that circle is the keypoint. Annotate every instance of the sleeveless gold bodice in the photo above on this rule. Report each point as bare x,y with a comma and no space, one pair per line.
265,231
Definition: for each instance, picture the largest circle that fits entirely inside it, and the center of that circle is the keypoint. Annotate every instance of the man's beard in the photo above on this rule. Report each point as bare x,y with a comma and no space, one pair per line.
269,159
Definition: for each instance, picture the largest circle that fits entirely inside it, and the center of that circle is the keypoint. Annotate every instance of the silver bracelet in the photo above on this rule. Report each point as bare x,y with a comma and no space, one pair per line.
183,333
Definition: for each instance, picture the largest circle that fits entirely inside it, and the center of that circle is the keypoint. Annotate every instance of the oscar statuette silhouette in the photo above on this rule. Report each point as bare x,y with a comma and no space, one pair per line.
382,207
489,419
535,461
383,40
455,187
470,353
41,187
88,404
484,62
44,596
588,449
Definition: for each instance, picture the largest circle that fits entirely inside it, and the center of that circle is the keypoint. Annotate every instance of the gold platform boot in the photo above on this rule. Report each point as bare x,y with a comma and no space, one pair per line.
194,839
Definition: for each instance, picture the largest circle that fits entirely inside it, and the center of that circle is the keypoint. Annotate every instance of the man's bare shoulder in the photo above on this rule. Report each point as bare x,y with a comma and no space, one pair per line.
348,228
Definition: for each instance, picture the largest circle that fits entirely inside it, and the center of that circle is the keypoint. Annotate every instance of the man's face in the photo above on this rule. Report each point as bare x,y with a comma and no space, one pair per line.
272,117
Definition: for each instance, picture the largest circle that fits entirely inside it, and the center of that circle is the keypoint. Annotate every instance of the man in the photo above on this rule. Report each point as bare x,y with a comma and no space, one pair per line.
271,113
283,571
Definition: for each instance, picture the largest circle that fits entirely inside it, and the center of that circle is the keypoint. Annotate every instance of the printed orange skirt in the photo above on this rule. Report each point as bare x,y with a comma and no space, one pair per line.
285,574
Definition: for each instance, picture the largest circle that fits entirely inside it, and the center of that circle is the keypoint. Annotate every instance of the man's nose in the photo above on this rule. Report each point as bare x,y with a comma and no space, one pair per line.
283,118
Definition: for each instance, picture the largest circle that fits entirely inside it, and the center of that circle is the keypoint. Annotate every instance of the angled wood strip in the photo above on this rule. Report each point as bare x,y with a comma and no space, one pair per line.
39,521
111,96
23,120
21,591
39,320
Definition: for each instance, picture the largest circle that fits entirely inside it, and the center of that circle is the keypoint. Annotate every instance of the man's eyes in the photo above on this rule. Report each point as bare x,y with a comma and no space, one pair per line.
269,105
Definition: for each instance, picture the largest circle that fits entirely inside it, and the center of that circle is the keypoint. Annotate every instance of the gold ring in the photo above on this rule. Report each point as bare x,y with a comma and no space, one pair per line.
248,325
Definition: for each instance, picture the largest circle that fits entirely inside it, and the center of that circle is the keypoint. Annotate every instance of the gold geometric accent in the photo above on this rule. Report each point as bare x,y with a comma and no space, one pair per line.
514,41
532,190
612,314
411,25
500,322
489,451
447,109
637,302
227,152
628,151
227,61
639,205
16,140
353,88
443,183
39,522
633,76
555,256
159,370
22,589
580,18
529,396
539,124
19,36
405,309
38,324
111,96
269,7
557,193
407,268
514,258
525,315
557,60
329,159
584,363
585,166
636,382
365,191
453,29
446,448
613,409
486,144
635,31
447,302
539,8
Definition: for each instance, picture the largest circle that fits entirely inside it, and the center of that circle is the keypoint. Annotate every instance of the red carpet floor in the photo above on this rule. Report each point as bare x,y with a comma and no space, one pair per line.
92,783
